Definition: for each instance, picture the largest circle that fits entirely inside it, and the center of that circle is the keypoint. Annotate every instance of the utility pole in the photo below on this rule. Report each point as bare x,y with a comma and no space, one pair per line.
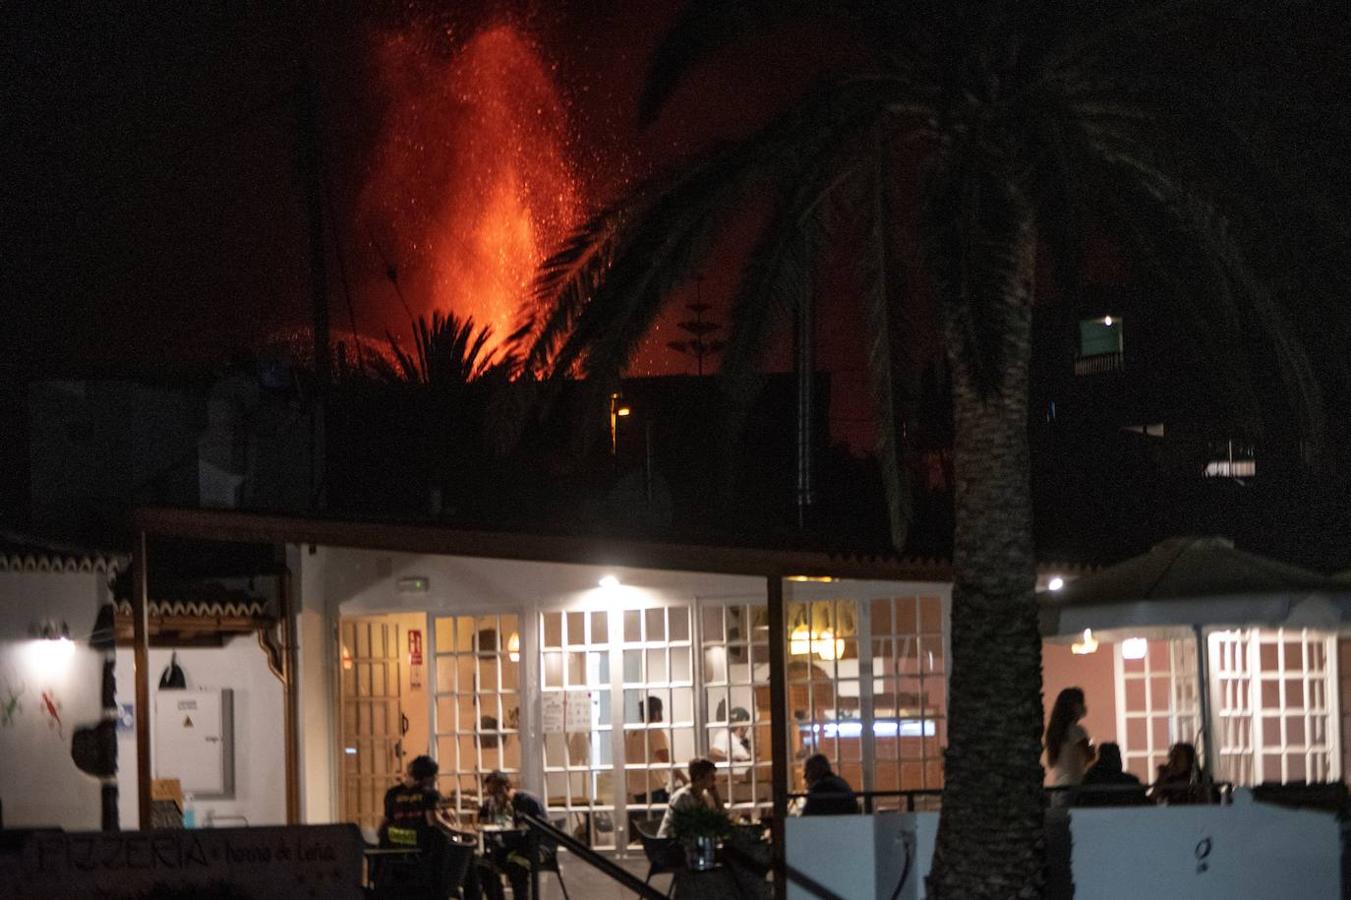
310,158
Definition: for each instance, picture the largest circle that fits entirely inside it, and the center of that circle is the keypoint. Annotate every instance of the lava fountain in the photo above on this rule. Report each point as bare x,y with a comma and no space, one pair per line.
470,185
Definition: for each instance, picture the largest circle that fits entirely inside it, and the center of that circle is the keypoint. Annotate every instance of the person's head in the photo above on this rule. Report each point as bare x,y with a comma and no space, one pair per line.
739,719
1109,756
1181,759
422,771
1069,708
815,768
650,710
702,773
496,783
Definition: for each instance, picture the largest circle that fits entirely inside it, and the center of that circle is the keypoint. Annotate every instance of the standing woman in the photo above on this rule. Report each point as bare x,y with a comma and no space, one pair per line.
1068,750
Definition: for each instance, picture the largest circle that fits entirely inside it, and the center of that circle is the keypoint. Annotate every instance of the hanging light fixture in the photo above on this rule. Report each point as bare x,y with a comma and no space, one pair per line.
828,646
1088,645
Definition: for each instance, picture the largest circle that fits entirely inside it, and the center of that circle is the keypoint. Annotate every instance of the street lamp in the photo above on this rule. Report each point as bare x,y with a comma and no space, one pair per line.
618,409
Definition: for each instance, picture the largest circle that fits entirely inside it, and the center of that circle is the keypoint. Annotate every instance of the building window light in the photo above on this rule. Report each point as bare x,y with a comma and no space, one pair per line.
1100,346
1088,645
1231,459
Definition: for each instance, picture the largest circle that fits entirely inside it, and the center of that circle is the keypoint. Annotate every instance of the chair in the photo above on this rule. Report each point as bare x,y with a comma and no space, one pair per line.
516,843
438,871
664,857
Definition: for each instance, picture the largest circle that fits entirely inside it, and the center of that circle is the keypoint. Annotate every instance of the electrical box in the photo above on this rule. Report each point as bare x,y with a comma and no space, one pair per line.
194,740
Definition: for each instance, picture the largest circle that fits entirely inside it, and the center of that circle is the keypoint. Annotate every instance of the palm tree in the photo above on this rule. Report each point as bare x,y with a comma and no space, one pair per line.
447,352
1021,119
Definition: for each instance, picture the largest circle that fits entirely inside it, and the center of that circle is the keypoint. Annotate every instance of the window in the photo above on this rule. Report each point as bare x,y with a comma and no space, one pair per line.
1231,459
577,713
909,695
1100,346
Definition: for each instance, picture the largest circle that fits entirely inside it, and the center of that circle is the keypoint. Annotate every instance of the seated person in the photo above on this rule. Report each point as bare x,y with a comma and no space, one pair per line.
1179,779
732,745
509,855
827,793
702,789
1108,771
413,813
411,807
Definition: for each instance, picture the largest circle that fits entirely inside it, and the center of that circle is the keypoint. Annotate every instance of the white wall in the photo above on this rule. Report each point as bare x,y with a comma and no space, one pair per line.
315,700
1122,853
1198,852
259,732
39,783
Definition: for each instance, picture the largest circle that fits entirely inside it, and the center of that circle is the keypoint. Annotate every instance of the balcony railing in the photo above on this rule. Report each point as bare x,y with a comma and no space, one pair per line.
1099,364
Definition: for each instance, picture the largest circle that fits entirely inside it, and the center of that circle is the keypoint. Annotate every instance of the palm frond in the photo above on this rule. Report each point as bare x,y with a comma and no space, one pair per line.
617,270
881,289
1189,246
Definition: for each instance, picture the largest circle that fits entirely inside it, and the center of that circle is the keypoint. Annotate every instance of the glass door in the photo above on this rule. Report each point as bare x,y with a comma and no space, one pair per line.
1276,704
372,722
477,717
658,713
1157,703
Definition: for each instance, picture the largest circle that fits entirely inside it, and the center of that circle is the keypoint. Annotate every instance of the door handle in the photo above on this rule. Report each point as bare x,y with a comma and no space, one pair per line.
403,723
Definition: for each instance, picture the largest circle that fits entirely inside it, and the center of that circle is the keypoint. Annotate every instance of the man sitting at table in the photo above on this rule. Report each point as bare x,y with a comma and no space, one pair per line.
413,812
503,804
411,807
827,793
702,789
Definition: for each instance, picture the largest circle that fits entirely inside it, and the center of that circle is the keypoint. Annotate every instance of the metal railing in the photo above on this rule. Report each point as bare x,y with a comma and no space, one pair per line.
539,828
1221,793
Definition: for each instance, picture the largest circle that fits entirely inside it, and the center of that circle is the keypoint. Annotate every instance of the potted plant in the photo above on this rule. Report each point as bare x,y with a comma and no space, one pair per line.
699,829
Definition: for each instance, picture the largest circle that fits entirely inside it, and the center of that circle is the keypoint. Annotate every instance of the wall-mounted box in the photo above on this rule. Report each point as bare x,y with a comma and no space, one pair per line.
194,740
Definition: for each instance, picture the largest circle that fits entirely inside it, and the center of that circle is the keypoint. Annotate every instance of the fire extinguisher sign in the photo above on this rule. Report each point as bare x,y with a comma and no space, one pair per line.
415,657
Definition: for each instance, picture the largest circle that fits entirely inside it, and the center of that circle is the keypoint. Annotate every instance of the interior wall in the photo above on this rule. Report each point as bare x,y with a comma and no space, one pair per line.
259,733
46,692
1096,674
417,740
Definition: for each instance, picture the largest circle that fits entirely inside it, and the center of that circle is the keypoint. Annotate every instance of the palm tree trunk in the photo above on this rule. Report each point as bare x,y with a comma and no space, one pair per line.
991,839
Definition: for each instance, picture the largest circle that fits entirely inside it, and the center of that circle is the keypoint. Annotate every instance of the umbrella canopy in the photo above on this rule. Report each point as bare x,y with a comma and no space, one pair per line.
1196,582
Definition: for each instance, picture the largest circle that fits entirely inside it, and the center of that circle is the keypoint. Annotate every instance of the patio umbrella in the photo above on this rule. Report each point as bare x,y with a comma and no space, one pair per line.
1196,583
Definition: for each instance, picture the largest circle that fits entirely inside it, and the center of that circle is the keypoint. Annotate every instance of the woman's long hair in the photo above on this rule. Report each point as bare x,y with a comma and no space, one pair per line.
1064,714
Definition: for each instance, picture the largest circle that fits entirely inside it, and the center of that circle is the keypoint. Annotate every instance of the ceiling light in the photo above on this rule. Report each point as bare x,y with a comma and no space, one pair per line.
609,581
1107,320
1056,583
1134,648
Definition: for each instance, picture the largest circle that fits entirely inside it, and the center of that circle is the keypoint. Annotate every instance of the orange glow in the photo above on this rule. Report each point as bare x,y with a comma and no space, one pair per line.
471,184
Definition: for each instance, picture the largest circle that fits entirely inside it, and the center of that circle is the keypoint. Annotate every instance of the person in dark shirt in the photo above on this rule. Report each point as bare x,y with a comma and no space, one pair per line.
411,806
1107,771
1180,781
827,793
503,804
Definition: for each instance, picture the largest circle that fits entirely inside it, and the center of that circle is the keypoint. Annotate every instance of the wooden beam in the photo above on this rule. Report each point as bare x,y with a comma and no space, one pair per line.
140,609
232,526
290,686
778,728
